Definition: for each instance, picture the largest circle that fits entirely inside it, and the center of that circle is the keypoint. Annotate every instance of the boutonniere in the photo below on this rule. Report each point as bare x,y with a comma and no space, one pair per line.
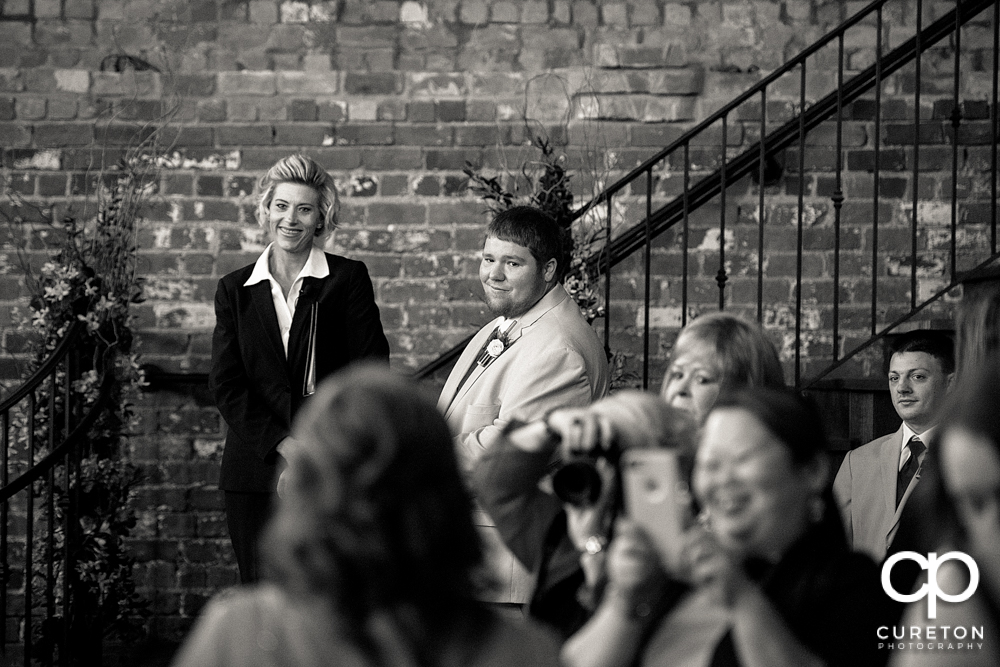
496,345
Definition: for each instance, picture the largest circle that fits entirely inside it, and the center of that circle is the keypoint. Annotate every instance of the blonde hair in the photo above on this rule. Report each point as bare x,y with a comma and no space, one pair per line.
304,171
747,355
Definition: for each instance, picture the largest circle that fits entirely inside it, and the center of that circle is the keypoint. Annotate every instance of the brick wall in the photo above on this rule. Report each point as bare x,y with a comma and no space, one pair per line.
394,98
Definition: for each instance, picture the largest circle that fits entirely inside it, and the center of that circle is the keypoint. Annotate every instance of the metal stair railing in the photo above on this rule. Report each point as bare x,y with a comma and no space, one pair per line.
754,103
43,426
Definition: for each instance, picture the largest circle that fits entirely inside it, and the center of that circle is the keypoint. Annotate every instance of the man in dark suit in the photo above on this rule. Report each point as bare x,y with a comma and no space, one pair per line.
876,479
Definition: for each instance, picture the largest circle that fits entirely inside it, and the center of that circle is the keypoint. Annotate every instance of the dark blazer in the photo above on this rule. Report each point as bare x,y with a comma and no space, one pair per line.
256,389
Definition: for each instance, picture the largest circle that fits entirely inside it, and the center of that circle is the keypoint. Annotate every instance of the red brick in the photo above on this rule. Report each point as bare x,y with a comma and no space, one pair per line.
380,83
424,135
397,214
384,159
63,134
237,135
300,134
374,134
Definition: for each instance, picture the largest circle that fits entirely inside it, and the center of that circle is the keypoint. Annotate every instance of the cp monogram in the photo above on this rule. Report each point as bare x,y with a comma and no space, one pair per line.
931,588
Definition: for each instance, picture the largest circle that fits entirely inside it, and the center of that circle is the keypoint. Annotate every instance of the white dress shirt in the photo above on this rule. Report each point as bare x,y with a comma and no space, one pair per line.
904,452
315,267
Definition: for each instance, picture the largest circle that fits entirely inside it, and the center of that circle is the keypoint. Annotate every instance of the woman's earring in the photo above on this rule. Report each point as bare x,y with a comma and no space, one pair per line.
319,229
817,508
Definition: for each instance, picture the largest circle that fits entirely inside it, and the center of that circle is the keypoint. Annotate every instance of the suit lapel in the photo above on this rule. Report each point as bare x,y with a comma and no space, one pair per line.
264,305
452,392
297,336
466,386
451,388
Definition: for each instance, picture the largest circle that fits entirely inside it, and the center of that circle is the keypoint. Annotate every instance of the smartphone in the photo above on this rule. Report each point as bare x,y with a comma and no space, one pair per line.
658,499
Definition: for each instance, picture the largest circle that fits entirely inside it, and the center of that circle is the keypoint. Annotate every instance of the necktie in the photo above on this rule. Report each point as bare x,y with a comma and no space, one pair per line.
909,467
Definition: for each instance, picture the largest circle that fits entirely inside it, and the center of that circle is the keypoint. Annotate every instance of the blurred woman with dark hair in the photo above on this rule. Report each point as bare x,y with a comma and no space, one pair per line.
372,548
770,553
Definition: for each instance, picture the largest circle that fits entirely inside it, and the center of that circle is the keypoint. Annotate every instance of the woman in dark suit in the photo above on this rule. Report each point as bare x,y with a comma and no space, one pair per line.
283,324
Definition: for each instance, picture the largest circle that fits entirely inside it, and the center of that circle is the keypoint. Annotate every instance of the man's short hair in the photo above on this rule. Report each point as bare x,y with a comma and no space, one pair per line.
535,230
938,344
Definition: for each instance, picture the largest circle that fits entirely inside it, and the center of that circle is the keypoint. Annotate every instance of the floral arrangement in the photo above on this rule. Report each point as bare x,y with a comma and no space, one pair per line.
90,278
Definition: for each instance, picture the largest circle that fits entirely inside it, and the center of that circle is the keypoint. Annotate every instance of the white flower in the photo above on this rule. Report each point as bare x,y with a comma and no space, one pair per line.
93,324
57,292
495,348
48,268
39,318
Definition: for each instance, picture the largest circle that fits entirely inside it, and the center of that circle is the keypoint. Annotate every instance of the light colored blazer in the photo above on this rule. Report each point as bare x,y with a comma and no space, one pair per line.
553,359
865,489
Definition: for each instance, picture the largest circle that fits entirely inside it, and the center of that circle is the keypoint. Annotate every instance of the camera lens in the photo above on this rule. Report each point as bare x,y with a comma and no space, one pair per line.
577,483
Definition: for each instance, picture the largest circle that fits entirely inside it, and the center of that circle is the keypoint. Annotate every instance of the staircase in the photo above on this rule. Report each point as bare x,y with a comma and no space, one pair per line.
824,207
44,436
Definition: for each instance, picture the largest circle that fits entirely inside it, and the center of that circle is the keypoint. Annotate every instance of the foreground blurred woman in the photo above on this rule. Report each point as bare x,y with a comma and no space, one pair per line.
371,549
770,553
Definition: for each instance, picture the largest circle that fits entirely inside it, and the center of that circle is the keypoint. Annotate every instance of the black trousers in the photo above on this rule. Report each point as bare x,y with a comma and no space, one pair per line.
246,516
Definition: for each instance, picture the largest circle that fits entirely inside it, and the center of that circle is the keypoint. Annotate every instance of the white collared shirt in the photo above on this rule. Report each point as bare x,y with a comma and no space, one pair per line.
904,452
315,267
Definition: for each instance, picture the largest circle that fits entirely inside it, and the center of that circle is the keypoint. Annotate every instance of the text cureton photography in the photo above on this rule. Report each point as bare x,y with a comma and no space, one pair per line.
933,637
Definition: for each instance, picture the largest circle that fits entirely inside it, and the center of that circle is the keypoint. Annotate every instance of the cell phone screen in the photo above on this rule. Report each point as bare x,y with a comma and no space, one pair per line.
658,499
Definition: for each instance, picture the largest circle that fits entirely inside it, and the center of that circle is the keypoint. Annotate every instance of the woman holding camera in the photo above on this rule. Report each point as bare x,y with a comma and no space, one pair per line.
769,552
372,550
535,524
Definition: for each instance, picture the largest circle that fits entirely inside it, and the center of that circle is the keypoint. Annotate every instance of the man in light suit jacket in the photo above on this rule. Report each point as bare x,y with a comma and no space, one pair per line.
876,479
538,354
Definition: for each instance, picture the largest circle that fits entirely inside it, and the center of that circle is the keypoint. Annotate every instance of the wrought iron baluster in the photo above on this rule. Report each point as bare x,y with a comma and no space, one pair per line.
5,441
50,603
956,121
607,280
877,166
838,196
29,536
801,210
646,265
684,235
720,277
994,129
760,206
72,503
916,158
